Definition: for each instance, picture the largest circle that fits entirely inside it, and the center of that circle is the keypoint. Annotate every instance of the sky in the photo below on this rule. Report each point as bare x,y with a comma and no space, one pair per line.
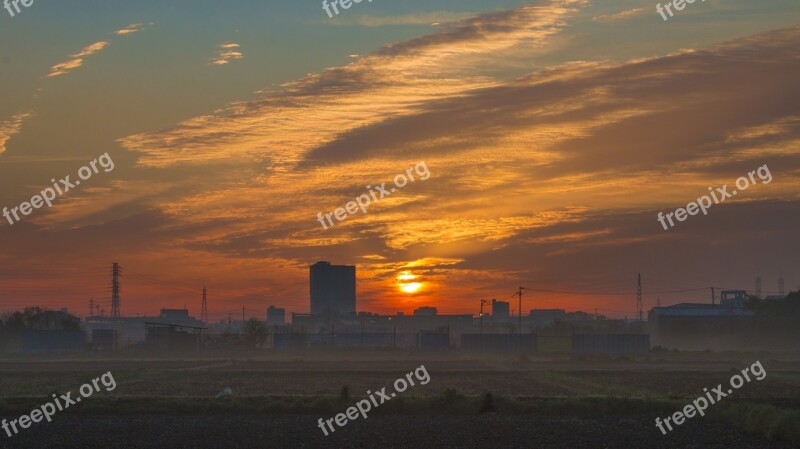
554,132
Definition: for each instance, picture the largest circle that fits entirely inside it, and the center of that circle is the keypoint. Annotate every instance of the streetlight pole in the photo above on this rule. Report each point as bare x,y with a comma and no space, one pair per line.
483,301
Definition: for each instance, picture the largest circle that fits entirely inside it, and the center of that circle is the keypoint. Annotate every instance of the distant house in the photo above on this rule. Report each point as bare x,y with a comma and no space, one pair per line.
733,298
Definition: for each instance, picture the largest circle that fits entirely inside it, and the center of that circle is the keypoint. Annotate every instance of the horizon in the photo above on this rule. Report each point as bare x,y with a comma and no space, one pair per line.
555,134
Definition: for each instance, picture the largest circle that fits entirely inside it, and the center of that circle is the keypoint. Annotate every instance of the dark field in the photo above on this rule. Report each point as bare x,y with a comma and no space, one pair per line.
537,402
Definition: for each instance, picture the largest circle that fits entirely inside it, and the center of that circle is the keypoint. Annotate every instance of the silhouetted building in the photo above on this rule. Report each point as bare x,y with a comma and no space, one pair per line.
333,289
500,311
175,315
691,326
425,311
544,317
172,336
276,316
733,298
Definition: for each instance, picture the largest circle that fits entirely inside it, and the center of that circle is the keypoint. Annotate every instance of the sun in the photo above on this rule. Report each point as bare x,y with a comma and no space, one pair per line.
411,287
406,284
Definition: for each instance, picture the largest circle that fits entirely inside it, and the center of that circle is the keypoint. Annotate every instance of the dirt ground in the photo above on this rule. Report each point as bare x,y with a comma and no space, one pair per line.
677,377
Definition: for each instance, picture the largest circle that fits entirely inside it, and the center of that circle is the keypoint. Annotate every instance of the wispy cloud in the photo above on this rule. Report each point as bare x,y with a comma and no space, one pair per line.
76,59
11,127
132,28
428,18
397,80
622,15
227,52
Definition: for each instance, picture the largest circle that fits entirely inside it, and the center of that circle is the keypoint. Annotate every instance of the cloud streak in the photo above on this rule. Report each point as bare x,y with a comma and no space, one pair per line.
132,28
11,127
77,59
227,52
428,18
622,15
397,80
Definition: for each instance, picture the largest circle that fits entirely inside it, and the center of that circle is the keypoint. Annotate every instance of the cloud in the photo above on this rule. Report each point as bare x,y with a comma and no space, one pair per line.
227,52
11,127
622,15
565,164
395,81
130,29
76,59
428,18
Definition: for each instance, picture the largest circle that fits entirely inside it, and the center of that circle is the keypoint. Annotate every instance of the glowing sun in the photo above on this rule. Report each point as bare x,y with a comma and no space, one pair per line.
406,282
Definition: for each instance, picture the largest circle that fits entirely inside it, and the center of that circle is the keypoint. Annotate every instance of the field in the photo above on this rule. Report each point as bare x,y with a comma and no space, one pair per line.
471,401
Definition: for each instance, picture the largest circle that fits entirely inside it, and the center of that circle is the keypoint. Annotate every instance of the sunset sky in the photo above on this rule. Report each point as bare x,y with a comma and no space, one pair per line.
554,131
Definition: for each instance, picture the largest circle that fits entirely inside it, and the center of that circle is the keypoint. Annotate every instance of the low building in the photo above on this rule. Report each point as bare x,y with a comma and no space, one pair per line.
500,311
697,326
733,298
425,311
545,317
173,337
276,316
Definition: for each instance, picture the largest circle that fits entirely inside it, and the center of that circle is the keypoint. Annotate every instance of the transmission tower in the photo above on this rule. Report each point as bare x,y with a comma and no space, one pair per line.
115,273
639,307
204,308
780,284
758,283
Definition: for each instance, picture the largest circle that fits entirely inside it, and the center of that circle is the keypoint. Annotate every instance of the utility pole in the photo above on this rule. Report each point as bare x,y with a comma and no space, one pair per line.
713,297
758,282
519,309
91,306
639,307
115,273
204,308
780,284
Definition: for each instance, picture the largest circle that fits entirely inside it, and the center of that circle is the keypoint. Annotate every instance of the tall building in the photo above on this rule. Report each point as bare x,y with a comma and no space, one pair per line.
276,316
500,311
333,289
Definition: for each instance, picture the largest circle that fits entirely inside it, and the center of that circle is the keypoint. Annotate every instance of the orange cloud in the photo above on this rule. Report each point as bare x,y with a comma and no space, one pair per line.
77,59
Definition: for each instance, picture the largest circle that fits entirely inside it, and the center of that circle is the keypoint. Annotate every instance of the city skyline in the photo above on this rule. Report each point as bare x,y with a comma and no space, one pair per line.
555,132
